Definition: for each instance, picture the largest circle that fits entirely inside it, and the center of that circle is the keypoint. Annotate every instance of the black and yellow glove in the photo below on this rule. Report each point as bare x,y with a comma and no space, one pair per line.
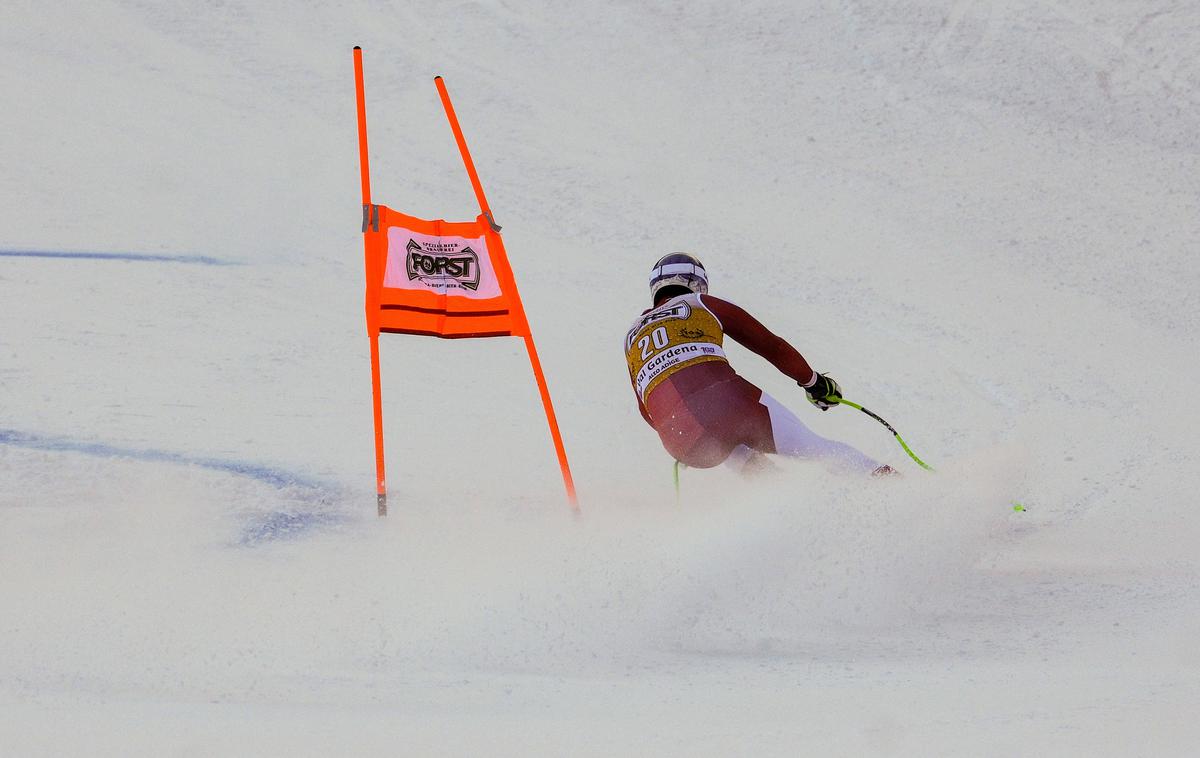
823,391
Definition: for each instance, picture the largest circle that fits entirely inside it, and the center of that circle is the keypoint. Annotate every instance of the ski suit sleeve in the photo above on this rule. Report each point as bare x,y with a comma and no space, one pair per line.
747,330
642,408
641,405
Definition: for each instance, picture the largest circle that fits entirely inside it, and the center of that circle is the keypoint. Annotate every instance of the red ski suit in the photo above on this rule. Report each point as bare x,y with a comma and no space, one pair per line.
701,409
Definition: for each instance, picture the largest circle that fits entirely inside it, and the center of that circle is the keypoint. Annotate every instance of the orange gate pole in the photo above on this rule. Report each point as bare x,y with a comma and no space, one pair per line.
373,332
539,377
552,420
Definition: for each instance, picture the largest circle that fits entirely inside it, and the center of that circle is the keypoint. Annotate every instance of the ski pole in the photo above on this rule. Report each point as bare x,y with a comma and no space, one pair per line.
890,428
1015,505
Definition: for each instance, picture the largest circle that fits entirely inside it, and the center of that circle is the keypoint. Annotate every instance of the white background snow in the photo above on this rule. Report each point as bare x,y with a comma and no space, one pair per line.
982,218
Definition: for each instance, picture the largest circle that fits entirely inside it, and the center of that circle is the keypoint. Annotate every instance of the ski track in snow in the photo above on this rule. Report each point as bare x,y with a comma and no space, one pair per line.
105,256
307,500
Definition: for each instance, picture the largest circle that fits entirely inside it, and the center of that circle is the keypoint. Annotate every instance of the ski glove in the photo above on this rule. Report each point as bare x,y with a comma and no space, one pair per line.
822,392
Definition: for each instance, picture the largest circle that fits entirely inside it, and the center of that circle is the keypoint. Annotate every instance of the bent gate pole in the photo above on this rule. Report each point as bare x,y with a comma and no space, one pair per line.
376,384
530,347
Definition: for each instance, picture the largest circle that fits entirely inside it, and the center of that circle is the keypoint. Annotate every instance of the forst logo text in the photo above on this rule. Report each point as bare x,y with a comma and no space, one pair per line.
439,269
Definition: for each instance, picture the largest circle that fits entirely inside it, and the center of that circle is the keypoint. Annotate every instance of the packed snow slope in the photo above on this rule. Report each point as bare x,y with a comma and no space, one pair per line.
982,218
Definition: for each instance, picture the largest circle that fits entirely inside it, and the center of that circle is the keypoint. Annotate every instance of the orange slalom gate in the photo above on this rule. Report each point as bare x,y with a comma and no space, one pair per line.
440,279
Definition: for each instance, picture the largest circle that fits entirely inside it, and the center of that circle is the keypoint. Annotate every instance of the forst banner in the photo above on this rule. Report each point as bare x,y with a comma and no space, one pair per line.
449,265
439,278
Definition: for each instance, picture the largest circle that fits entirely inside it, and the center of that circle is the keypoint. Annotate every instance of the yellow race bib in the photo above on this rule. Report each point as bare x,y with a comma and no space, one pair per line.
680,332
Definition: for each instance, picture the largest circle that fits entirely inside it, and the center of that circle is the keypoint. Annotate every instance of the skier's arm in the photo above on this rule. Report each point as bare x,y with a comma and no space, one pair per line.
748,331
641,406
645,413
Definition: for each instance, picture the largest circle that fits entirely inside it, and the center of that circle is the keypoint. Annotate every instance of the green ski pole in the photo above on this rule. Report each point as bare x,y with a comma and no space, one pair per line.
890,428
843,401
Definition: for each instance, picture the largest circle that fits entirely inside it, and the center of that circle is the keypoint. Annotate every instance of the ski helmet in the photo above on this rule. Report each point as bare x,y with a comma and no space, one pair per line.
680,270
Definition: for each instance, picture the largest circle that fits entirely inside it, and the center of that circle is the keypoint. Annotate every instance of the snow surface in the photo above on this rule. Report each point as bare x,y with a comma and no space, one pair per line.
981,217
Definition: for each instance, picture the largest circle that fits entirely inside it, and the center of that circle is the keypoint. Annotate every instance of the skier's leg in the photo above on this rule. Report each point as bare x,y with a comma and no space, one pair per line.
714,422
691,443
748,461
794,439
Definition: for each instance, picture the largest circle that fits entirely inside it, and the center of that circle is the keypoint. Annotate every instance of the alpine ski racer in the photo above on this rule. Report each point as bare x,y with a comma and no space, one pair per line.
704,412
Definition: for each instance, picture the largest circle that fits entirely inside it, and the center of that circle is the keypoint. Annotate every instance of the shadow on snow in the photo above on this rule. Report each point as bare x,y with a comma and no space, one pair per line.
314,502
137,257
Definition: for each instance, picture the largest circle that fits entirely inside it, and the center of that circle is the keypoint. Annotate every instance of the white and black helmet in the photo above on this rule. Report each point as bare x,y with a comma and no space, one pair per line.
678,270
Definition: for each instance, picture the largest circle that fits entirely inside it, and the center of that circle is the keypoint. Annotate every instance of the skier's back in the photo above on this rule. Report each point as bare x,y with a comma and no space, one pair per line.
703,411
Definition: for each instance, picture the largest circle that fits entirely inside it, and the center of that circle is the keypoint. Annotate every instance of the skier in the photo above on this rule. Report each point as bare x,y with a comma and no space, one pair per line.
704,413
